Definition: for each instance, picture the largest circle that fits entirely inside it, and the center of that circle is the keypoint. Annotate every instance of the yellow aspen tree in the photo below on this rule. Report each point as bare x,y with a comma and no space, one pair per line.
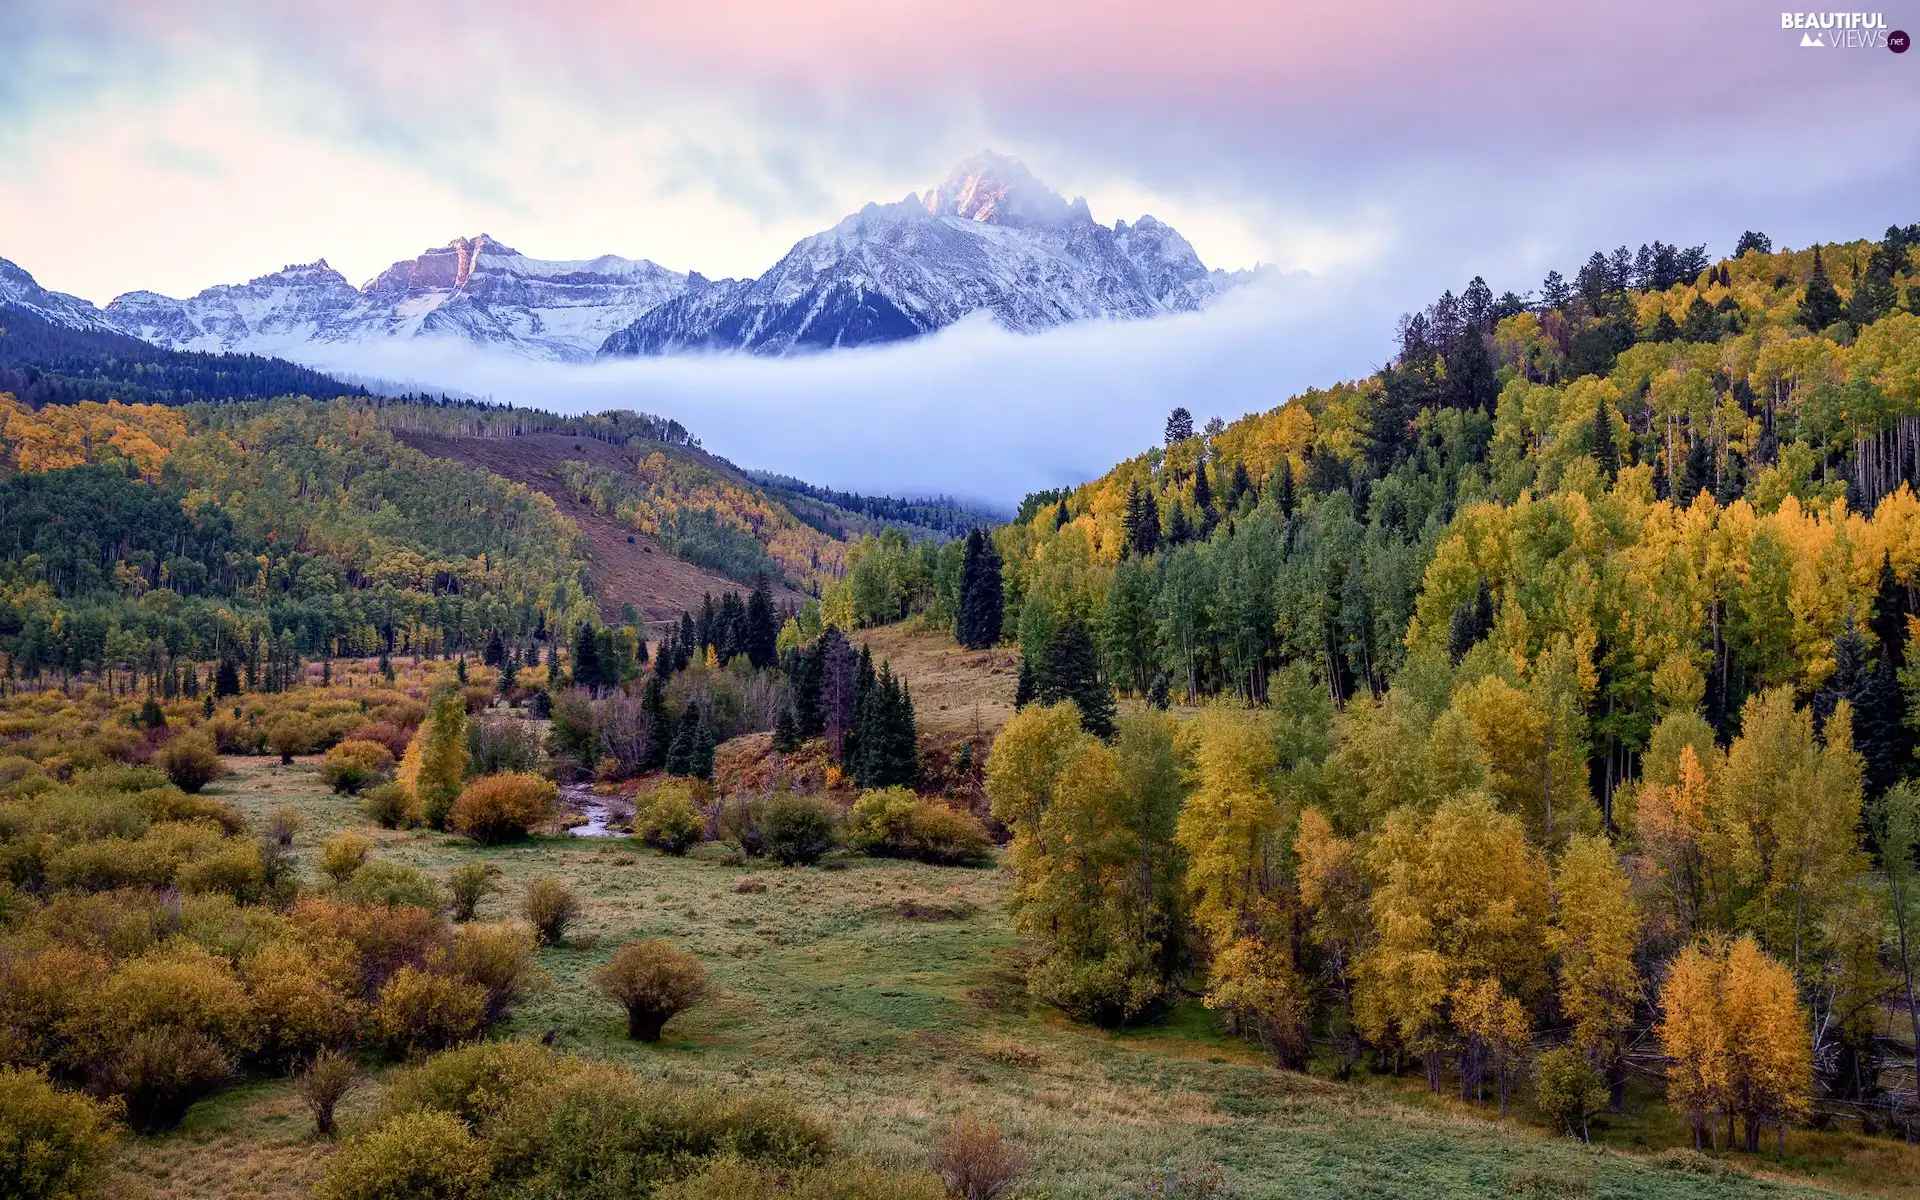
1595,928
1496,1032
1692,1033
1770,1051
434,768
1460,896
1333,899
1234,831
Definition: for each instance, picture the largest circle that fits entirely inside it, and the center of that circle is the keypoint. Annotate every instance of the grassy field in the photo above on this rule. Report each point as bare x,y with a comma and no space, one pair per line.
888,996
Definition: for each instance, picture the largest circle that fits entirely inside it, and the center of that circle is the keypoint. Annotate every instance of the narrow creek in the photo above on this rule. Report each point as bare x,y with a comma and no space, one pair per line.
602,812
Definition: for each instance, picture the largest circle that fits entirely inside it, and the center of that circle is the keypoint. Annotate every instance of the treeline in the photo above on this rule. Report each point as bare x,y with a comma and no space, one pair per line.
940,514
449,416
42,363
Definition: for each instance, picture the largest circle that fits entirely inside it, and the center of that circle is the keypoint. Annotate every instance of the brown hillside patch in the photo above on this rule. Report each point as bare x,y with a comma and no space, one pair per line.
955,690
637,572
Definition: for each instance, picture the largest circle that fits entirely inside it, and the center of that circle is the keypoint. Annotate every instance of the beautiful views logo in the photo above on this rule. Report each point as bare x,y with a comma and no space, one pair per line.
1845,31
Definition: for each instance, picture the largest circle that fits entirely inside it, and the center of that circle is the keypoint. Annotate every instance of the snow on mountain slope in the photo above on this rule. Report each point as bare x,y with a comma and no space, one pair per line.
20,290
992,238
473,289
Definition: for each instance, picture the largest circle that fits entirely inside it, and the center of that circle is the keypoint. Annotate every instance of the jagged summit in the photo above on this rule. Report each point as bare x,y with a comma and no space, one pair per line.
990,238
994,187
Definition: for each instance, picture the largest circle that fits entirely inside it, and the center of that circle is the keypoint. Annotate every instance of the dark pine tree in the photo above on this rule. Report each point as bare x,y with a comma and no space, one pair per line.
1179,426
1867,682
1820,307
786,731
496,651
586,657
1604,450
1070,670
1179,526
1698,475
1890,612
763,626
1026,688
689,644
1060,516
683,751
1472,621
1203,501
226,681
977,624
659,724
1286,494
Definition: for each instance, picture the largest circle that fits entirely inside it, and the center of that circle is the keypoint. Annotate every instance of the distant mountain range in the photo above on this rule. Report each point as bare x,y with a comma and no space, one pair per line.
991,239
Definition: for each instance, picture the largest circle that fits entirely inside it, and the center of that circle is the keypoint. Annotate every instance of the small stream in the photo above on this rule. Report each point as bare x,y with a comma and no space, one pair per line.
601,812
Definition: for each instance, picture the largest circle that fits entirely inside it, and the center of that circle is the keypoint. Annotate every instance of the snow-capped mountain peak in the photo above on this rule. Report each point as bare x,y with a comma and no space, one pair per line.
991,237
993,187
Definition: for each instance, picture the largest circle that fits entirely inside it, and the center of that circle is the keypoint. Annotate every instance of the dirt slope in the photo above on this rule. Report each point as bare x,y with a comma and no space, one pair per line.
636,571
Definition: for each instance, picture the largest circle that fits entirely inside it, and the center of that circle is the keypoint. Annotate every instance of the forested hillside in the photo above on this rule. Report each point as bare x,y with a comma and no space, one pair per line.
42,363
144,536
1555,698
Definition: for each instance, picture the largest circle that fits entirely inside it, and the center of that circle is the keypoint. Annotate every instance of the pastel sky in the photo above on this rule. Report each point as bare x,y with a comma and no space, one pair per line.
1384,149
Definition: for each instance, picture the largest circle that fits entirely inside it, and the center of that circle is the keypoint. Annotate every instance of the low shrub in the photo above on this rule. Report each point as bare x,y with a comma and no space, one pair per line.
895,823
504,745
343,854
390,806
292,733
502,808
977,1162
159,1074
420,1010
303,997
653,981
394,885
1117,989
53,1143
740,825
356,765
499,960
1568,1090
468,884
797,830
469,1082
384,733
327,1079
284,822
668,819
190,761
550,906
418,1156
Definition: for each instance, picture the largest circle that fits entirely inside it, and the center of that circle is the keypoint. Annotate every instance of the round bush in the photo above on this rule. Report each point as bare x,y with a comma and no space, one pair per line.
797,830
343,854
419,1010
293,733
653,981
550,906
191,762
53,1143
669,820
395,886
498,959
389,806
418,1156
160,1073
896,823
469,1082
502,808
355,765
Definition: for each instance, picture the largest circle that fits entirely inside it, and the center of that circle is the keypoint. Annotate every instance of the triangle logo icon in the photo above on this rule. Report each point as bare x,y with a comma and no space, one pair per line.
1813,39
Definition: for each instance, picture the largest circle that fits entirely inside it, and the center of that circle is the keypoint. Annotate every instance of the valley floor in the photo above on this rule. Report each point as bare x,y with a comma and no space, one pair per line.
889,997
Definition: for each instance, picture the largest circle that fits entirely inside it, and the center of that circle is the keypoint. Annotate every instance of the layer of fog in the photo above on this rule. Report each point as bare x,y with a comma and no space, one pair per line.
973,411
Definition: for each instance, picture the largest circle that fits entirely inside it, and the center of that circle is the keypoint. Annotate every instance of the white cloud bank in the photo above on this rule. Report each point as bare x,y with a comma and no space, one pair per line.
973,411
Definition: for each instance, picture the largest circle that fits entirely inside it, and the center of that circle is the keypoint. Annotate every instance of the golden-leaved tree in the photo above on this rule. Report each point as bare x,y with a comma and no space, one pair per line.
1731,1021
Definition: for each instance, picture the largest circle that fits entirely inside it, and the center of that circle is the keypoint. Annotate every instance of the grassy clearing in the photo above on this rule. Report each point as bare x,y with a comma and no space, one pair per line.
888,996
